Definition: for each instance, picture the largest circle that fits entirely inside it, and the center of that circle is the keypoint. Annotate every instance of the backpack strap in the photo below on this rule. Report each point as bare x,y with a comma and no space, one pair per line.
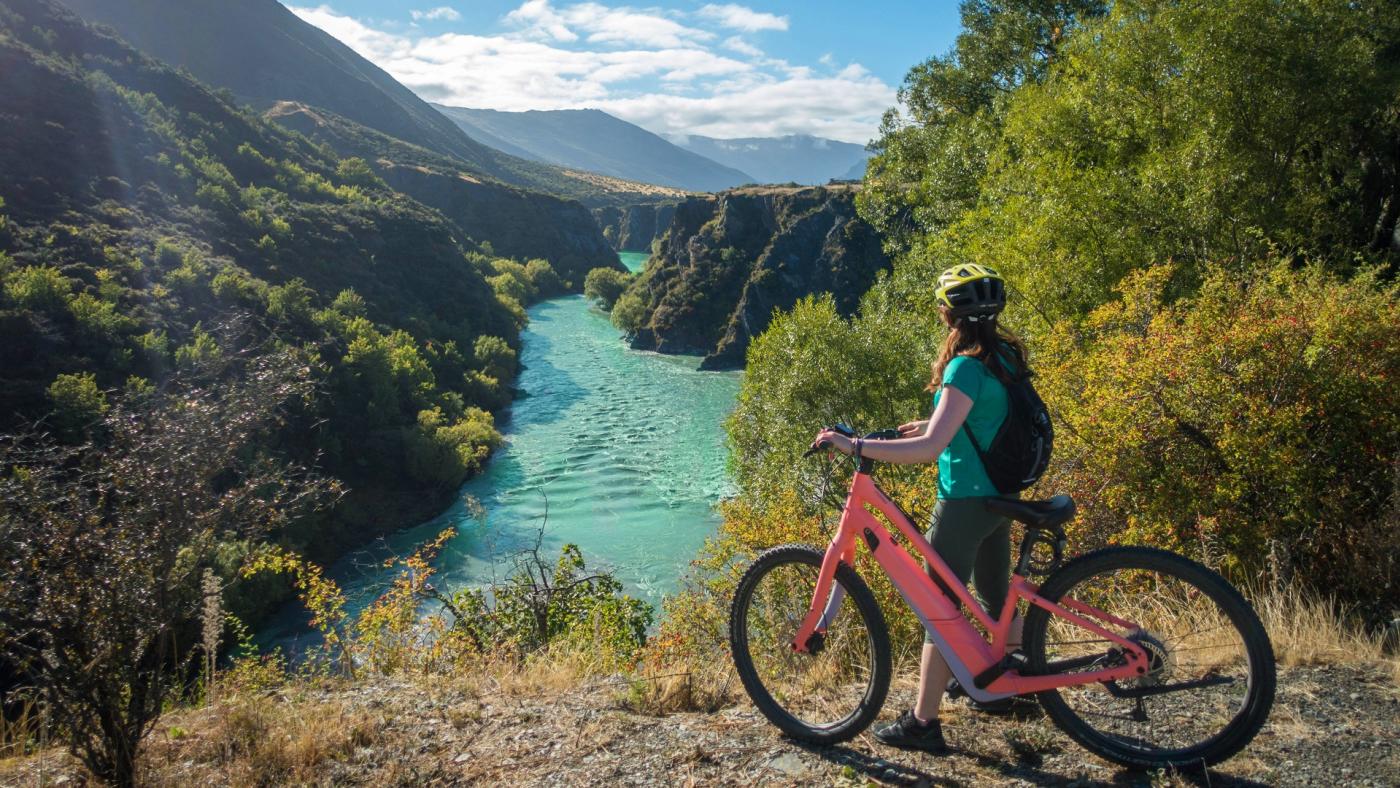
977,447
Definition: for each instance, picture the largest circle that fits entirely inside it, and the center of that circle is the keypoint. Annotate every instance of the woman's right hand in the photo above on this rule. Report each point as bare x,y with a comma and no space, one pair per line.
913,428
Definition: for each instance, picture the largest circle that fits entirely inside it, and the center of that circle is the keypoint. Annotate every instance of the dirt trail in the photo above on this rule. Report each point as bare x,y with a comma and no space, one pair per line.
1330,726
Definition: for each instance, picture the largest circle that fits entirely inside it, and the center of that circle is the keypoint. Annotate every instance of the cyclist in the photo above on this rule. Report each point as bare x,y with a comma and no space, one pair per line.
977,359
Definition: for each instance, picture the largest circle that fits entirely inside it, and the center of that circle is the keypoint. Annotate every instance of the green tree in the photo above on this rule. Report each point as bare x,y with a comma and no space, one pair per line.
931,154
355,171
1192,132
543,278
605,285
494,357
444,453
629,312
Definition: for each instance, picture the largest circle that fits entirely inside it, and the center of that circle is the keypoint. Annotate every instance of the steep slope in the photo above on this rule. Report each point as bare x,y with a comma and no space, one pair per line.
796,158
142,211
589,139
517,223
264,53
632,228
728,260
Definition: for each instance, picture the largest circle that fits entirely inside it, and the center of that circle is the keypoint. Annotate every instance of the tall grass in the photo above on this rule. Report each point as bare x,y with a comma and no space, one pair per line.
1308,628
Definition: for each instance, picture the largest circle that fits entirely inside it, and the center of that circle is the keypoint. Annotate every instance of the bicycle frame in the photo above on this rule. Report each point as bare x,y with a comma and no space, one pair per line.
981,667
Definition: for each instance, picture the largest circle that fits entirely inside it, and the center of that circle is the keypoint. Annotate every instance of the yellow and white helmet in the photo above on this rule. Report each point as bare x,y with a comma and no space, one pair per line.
973,291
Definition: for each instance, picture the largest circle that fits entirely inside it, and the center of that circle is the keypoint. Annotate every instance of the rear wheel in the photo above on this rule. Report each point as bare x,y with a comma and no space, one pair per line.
824,697
1210,681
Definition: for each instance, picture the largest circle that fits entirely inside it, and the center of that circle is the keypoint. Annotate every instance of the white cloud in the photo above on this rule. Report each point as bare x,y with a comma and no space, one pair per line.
669,78
846,107
743,47
441,13
601,24
743,18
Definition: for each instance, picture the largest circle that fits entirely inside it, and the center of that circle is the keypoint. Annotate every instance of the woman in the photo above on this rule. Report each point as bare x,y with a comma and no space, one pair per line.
969,377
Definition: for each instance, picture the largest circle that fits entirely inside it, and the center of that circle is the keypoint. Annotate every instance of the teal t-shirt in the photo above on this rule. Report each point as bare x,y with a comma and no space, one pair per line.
960,471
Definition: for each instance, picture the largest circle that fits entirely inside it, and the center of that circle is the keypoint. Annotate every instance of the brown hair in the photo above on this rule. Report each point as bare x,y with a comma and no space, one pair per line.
979,339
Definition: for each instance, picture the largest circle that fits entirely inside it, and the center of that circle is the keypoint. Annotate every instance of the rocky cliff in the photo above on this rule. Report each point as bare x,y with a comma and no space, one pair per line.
632,228
515,222
728,260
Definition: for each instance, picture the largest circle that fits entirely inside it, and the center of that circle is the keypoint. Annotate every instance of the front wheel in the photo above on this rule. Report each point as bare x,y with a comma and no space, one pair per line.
1210,679
824,697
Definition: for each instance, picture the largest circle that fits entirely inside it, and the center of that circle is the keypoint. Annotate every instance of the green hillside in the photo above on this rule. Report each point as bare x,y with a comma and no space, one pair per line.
264,54
516,222
151,225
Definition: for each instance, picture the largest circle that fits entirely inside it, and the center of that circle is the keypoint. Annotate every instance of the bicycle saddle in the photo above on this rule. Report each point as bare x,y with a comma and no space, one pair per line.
1035,514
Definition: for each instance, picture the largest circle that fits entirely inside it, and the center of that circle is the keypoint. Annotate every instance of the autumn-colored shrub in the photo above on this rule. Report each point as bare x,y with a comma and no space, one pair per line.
1255,424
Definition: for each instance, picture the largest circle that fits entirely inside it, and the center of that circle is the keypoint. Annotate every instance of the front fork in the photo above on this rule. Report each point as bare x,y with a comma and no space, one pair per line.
827,596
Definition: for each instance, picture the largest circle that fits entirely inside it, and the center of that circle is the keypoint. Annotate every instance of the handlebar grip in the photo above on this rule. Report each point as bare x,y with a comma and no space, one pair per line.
815,449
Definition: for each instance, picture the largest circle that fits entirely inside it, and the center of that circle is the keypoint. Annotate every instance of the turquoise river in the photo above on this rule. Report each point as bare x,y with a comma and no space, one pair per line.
625,449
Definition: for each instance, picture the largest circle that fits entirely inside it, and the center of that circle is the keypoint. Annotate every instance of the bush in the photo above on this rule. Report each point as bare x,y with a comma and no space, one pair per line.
77,402
202,349
355,171
104,543
291,301
1255,424
605,285
37,287
539,606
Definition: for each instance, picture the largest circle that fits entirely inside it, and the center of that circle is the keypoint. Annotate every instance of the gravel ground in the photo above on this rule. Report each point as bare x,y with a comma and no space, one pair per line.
1330,726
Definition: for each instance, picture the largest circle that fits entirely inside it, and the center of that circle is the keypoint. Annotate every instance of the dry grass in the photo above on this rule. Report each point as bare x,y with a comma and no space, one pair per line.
21,730
1308,629
266,740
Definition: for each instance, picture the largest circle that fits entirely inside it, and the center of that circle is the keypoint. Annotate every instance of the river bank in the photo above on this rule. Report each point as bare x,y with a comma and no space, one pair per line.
619,451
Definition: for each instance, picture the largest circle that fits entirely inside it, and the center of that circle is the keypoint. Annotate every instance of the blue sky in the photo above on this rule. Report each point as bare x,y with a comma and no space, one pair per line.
720,69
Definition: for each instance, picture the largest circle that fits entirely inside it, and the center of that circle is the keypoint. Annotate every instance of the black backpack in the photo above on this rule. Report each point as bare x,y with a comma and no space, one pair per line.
1020,451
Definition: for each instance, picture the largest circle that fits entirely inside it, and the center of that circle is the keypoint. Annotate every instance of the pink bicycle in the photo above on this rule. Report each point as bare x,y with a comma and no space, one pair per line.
1142,656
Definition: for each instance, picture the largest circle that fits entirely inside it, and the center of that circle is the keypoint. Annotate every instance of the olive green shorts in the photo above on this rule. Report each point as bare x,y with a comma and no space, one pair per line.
976,545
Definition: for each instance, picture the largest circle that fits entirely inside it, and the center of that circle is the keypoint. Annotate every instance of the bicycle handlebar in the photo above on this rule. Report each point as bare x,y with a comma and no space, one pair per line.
886,434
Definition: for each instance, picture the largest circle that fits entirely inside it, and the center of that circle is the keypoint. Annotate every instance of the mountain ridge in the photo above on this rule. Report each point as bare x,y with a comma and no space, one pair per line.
793,158
264,53
594,140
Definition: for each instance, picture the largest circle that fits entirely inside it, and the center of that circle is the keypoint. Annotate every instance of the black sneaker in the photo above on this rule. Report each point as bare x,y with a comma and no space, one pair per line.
910,734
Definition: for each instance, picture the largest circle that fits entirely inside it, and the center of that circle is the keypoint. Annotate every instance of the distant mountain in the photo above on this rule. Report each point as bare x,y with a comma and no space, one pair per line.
590,139
263,54
796,158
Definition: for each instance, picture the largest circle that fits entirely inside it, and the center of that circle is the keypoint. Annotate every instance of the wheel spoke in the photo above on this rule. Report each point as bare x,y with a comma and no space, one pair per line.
831,692
1187,622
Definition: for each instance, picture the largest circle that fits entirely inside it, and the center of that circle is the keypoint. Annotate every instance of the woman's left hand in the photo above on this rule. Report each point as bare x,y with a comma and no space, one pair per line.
836,440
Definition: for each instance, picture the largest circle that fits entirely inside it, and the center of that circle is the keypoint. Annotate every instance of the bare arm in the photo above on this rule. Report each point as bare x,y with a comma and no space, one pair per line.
947,419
